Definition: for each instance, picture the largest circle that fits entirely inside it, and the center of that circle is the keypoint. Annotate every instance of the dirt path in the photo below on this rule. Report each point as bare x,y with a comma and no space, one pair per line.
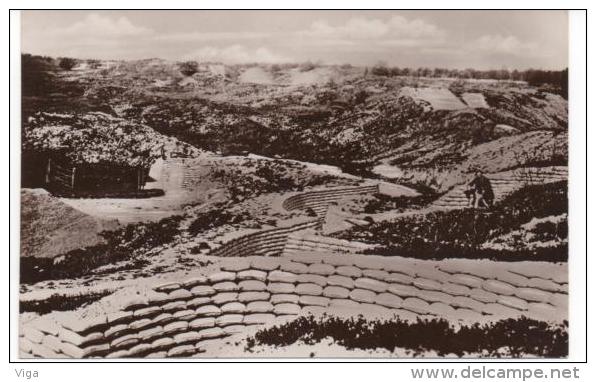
169,177
184,182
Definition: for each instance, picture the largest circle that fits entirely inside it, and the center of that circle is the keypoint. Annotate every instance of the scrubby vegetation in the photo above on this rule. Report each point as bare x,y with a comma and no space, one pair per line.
92,138
124,112
547,232
506,338
429,130
58,302
462,233
265,176
339,115
382,203
215,217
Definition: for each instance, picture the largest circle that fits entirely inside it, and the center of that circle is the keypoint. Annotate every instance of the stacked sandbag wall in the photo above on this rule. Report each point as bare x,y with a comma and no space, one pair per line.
318,201
262,243
309,242
180,319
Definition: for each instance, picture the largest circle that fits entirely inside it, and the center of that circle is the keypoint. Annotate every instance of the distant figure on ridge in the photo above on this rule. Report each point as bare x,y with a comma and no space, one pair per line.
480,191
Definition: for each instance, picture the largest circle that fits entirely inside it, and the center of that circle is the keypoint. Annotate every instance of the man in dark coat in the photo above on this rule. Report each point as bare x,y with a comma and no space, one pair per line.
483,195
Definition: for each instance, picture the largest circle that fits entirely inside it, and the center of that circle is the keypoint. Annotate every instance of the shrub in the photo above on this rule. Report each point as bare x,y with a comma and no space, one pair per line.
67,63
360,97
189,68
547,230
380,70
510,337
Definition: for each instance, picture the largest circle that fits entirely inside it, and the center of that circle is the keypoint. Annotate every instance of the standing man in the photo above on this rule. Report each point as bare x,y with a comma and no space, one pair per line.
483,195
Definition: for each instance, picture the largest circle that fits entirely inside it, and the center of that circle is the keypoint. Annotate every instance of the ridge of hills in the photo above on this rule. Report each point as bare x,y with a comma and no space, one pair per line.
417,130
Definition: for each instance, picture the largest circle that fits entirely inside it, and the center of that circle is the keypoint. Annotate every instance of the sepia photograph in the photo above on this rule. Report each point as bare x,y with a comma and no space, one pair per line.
304,184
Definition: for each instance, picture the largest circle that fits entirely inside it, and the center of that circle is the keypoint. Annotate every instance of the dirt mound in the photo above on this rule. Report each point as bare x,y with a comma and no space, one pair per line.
474,100
49,227
256,75
437,98
311,77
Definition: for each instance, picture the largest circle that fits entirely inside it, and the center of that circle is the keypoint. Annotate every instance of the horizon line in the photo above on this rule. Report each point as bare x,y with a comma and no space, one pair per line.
314,62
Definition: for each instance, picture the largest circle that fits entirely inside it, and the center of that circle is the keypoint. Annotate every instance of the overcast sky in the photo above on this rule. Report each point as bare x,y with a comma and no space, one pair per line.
452,39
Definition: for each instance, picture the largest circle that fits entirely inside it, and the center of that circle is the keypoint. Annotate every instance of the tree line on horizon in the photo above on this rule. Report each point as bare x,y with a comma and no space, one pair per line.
531,76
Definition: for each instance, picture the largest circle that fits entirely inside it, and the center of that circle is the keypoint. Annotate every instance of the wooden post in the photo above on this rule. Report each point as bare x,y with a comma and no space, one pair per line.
48,171
72,179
